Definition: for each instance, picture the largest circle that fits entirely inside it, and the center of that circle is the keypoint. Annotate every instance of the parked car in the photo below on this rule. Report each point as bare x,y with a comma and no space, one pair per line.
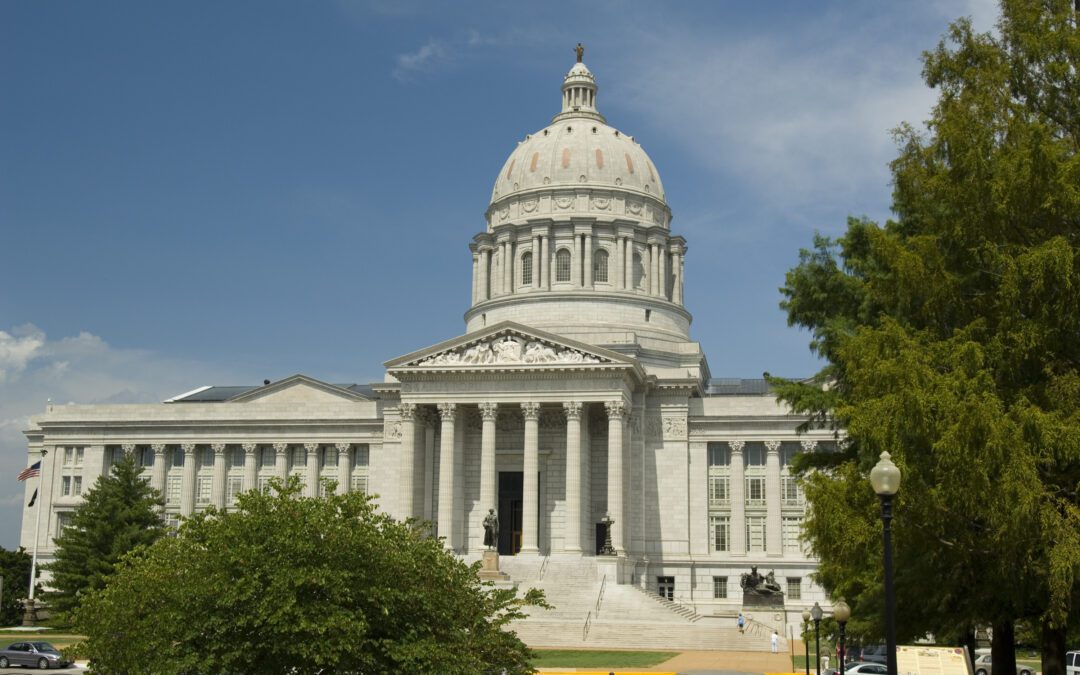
873,654
1072,663
982,666
862,669
40,654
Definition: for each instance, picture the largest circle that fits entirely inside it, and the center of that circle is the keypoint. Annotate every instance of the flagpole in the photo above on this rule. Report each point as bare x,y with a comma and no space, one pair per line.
30,616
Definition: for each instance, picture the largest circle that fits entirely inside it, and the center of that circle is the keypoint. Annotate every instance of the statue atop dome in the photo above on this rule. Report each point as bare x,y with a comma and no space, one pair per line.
580,51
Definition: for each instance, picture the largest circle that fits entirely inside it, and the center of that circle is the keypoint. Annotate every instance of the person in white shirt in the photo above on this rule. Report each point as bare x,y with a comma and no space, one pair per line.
775,641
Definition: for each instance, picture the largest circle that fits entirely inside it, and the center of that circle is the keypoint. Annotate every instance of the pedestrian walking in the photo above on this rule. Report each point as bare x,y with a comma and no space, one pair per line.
775,641
740,622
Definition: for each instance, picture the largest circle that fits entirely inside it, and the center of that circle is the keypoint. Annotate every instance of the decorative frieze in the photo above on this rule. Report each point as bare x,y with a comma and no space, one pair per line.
675,428
508,349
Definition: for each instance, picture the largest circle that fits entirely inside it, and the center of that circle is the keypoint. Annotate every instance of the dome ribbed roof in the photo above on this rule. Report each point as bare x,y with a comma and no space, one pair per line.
578,149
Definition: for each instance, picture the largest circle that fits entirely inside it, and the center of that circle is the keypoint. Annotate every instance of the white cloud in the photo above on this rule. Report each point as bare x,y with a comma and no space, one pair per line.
431,56
82,368
17,349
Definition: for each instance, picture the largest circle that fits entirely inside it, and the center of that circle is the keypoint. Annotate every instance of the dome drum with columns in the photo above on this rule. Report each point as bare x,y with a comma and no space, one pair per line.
576,396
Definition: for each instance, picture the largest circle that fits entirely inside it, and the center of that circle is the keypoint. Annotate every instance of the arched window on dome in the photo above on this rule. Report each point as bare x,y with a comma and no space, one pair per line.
526,269
639,272
562,265
600,266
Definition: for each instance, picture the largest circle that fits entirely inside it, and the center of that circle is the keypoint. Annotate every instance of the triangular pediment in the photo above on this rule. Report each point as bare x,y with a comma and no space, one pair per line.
509,345
298,389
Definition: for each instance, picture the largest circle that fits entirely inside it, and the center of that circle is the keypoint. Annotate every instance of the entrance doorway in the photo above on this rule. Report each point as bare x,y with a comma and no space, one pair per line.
665,587
510,498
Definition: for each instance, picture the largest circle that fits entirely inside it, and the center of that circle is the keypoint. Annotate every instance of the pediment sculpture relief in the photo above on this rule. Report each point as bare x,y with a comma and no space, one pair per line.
507,349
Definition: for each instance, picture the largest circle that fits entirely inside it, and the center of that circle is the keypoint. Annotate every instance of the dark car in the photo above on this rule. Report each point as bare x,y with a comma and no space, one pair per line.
869,654
40,654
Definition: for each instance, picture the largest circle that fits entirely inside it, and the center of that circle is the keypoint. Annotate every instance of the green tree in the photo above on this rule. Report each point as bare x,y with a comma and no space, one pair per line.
117,514
950,336
286,584
15,571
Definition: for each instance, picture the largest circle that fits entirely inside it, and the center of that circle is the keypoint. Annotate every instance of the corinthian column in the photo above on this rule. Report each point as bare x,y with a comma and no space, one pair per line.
408,460
157,478
344,468
187,484
773,540
447,479
738,498
250,468
281,461
488,486
616,411
312,456
530,494
572,534
217,482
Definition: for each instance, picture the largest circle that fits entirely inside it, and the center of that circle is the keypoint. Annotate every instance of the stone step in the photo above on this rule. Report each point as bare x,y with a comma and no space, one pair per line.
640,635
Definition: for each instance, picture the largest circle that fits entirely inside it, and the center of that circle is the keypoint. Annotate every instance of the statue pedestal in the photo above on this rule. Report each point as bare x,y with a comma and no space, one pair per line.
30,617
489,568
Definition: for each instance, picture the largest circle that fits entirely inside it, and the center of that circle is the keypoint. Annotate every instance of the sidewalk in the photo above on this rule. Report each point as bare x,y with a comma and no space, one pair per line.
704,663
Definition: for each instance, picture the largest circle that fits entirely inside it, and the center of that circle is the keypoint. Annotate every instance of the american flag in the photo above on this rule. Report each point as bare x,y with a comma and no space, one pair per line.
31,471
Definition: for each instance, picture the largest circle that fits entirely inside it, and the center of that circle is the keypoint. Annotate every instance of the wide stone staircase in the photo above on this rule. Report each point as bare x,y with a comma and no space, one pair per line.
593,612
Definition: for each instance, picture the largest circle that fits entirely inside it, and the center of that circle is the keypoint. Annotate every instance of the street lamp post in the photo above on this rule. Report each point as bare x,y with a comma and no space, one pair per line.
841,612
885,478
806,637
816,612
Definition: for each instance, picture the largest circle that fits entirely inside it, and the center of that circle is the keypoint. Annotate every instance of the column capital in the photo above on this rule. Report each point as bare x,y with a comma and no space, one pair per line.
772,446
407,410
572,409
311,447
128,448
281,448
249,448
736,446
809,446
616,409
342,447
188,448
531,410
447,410
218,448
158,448
489,411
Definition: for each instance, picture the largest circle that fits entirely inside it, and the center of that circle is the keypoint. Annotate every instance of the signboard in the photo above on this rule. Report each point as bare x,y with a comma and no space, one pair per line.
920,660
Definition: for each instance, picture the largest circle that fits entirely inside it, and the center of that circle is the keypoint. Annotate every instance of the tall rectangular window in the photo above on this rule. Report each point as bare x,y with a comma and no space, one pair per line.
526,269
206,458
236,458
755,490
172,490
330,456
719,494
794,588
720,532
719,587
792,530
146,457
267,459
67,486
562,265
359,478
789,488
63,520
755,534
202,490
236,486
299,459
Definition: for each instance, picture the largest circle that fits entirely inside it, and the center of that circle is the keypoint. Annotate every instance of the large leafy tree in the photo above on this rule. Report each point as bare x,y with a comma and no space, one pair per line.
952,340
15,571
117,514
287,584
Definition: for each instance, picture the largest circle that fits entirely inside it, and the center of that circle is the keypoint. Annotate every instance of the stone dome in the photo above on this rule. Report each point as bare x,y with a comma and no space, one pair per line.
579,150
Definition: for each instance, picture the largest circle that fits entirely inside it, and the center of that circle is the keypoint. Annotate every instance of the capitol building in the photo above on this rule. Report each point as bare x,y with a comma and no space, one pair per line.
575,404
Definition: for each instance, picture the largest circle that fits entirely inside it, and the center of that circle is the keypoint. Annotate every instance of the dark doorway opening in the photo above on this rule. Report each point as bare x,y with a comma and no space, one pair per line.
601,537
665,587
511,489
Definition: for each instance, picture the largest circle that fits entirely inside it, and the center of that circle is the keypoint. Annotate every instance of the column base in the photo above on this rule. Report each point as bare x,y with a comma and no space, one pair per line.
30,617
528,551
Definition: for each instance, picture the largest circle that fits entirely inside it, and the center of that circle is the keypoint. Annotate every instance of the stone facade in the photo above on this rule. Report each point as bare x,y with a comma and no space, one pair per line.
575,394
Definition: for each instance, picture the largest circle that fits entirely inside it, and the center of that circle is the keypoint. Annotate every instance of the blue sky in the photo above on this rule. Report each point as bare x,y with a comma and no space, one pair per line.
216,193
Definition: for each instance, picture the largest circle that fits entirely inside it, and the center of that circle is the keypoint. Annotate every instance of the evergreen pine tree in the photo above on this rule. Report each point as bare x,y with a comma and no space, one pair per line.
118,514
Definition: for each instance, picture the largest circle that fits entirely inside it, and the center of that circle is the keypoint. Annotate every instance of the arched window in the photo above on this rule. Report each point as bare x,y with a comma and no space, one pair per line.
562,265
639,272
526,269
599,266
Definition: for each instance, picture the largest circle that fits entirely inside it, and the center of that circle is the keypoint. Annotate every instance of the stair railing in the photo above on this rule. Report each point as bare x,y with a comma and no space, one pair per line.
585,630
543,567
600,595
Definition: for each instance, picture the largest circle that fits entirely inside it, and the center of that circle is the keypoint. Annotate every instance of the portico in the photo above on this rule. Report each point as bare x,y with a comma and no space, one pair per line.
508,400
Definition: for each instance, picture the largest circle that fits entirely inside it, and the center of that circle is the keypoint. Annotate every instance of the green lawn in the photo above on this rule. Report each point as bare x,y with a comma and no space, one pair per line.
55,638
581,658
